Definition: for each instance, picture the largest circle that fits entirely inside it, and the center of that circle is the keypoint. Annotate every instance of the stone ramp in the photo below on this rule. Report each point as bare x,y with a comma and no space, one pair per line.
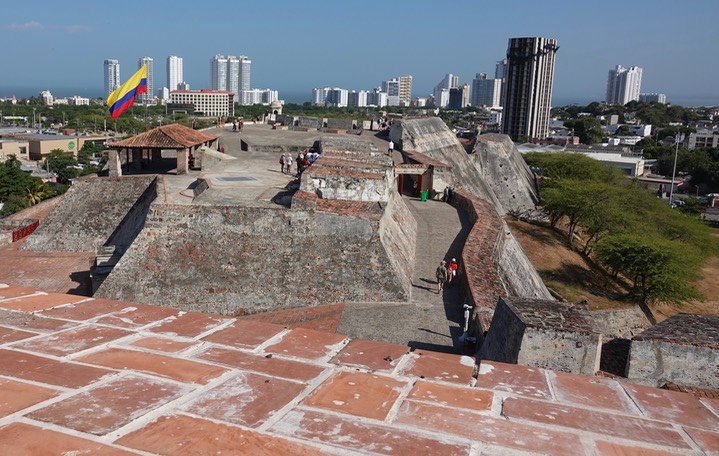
88,214
495,172
430,320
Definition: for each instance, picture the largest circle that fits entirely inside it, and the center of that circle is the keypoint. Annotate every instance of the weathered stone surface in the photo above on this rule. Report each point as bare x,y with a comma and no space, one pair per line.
495,171
93,212
683,349
238,259
620,323
548,334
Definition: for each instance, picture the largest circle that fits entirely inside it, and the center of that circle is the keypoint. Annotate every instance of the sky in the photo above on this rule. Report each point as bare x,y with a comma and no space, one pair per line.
297,45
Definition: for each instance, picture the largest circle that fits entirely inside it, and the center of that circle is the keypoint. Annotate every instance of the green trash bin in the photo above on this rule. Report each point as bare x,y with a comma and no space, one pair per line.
423,195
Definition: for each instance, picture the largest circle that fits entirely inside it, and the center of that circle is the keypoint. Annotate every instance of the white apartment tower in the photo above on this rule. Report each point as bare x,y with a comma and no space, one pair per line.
174,72
391,88
218,72
405,90
245,68
230,73
449,81
486,92
150,95
112,76
528,87
623,85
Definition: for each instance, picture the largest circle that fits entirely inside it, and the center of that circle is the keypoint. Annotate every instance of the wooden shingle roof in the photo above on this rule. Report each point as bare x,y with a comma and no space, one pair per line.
173,136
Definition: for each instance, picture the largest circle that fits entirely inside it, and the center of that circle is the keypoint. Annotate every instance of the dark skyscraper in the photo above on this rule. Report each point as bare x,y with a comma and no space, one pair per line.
528,88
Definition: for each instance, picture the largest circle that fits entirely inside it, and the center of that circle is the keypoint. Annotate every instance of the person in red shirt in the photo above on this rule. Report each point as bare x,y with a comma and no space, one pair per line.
452,272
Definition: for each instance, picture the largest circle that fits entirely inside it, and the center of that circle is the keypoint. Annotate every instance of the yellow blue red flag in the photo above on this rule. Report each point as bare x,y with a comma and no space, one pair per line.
124,96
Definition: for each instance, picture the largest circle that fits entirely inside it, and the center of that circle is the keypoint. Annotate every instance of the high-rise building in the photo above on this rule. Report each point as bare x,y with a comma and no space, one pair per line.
391,88
486,92
500,70
528,88
174,72
623,85
218,72
405,90
360,98
449,81
112,76
231,73
148,97
653,97
244,72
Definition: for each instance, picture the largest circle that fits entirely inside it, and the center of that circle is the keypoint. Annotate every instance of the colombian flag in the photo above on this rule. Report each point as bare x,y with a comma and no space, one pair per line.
124,96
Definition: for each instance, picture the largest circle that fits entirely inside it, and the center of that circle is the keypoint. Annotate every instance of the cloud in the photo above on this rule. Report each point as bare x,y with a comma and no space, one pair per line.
31,25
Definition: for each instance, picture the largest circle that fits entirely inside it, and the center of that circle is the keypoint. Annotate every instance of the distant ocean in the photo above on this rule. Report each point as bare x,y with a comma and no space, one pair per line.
299,97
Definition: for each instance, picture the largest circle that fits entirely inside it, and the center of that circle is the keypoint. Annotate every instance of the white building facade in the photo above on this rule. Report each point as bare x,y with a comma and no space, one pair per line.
111,76
149,96
174,72
208,103
623,85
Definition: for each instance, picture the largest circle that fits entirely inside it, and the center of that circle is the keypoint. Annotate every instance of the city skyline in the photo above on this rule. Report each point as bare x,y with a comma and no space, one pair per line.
358,55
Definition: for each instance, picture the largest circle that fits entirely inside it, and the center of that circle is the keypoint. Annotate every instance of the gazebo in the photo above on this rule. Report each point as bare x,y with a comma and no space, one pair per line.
151,143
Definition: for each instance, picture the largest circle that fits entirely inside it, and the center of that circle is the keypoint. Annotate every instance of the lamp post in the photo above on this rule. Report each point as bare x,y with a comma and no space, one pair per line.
678,139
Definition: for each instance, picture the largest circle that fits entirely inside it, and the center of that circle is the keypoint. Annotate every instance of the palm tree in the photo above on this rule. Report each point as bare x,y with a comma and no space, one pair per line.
37,191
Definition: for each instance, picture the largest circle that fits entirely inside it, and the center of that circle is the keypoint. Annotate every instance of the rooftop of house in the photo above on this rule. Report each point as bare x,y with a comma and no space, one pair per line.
552,315
91,375
685,329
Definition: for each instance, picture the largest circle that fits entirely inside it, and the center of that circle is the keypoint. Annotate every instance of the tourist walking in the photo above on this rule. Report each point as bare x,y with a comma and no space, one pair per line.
282,163
452,272
390,148
441,275
288,163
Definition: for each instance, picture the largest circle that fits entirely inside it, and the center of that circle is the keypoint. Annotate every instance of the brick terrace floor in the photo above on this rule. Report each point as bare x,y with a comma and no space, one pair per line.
92,376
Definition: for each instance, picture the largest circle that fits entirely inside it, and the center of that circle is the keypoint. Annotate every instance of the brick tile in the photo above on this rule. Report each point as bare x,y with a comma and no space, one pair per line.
593,421
247,399
46,370
110,406
13,335
440,366
17,396
40,302
12,291
177,369
24,439
33,322
285,368
73,340
603,448
490,430
712,404
590,391
137,315
357,393
193,436
308,344
245,334
452,396
672,406
361,436
163,344
189,324
370,354
86,310
707,440
513,378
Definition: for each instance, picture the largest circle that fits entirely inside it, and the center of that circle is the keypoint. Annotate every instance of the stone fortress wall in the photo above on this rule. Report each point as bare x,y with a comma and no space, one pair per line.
94,212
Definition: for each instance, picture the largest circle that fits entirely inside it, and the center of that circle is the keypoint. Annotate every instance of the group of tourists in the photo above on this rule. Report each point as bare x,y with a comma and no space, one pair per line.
446,274
238,125
303,161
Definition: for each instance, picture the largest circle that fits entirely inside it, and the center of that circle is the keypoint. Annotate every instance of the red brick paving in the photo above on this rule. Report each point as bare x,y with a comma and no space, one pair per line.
161,381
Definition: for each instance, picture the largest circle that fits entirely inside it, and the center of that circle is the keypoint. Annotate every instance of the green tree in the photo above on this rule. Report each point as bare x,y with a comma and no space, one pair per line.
660,270
572,166
589,129
13,203
63,164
